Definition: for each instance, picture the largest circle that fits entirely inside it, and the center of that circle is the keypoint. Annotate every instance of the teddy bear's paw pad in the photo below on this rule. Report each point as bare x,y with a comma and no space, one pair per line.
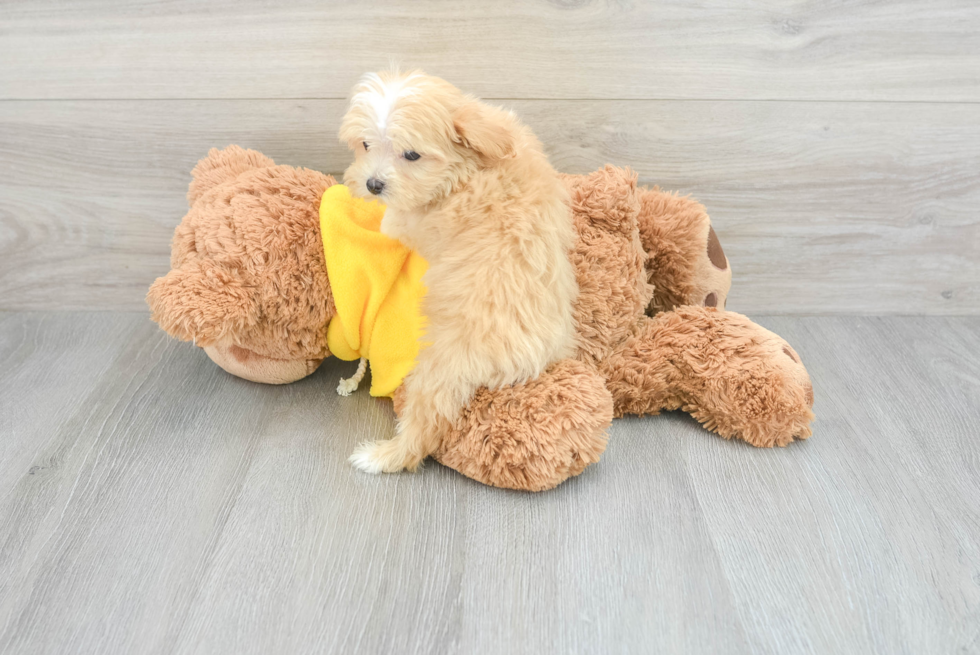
711,275
687,264
716,254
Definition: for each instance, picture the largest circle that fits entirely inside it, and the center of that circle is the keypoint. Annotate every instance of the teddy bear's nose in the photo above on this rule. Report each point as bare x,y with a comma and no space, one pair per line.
375,185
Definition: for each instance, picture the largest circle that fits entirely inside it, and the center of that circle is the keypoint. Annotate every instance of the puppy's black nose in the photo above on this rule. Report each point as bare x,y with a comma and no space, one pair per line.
375,185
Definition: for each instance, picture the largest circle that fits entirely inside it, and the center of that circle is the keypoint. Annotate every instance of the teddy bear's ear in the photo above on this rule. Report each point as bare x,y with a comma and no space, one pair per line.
201,302
221,166
491,131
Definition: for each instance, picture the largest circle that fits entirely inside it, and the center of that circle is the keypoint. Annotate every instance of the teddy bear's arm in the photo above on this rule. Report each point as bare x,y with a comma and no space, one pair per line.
201,302
732,375
686,263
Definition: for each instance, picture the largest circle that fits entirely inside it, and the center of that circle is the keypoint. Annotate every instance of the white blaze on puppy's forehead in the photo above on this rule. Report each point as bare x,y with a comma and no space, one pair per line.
380,96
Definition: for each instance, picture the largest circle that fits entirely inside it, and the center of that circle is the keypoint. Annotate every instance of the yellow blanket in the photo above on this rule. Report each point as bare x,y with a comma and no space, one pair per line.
377,287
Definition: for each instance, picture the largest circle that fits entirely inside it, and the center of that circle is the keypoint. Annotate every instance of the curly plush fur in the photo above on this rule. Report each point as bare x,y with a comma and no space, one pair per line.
249,275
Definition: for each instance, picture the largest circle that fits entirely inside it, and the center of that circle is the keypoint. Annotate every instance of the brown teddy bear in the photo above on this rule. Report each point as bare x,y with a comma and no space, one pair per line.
249,285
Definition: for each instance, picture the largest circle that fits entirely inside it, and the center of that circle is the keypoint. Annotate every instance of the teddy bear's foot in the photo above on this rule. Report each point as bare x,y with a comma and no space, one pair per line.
735,377
531,436
686,264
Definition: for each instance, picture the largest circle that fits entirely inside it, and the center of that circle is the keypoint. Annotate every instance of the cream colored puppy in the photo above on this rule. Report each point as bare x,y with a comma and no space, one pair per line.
467,186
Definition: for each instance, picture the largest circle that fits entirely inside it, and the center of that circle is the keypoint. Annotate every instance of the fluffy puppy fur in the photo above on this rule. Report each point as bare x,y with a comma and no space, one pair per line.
468,186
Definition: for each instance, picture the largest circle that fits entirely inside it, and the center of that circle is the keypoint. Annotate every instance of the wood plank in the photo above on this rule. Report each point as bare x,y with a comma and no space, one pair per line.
860,208
882,502
151,503
864,50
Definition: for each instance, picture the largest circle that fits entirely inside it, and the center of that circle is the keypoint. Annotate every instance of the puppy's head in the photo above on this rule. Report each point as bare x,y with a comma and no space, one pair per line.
416,137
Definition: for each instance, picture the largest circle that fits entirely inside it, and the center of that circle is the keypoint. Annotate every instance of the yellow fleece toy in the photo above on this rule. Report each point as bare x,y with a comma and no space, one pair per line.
377,288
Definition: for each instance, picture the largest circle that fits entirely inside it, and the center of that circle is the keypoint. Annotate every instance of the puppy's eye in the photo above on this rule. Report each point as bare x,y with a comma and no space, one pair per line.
364,143
411,155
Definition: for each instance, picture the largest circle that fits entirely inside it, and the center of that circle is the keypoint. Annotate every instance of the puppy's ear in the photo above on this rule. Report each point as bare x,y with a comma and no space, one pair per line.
491,131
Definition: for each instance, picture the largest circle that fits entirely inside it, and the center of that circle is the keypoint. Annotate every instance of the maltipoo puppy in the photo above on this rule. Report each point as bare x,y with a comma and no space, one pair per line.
468,186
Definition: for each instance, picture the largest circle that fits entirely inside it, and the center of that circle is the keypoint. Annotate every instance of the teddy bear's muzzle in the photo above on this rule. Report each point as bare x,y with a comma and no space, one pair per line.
252,366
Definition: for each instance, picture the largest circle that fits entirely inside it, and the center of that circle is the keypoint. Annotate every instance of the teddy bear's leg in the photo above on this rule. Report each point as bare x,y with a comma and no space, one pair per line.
531,436
735,377
686,264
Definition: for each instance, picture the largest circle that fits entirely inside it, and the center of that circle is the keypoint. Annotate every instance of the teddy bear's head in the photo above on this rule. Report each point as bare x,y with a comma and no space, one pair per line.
248,282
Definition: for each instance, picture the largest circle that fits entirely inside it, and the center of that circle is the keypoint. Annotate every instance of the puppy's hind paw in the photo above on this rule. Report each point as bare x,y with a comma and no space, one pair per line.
367,457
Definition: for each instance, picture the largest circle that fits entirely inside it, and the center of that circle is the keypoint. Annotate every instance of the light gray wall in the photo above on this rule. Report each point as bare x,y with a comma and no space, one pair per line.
837,148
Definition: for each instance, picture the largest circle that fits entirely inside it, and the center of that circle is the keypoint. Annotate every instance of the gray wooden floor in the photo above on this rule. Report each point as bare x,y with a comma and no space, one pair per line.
150,502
